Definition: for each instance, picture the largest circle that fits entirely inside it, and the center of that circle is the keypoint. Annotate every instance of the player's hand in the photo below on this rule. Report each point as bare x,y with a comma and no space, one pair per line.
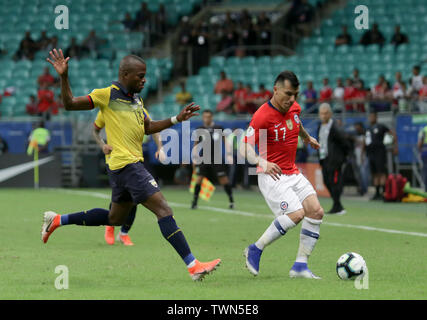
58,62
272,169
160,155
313,142
188,112
107,149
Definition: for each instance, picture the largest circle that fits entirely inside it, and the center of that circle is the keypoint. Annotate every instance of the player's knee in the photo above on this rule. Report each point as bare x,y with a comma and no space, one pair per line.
164,210
318,213
297,216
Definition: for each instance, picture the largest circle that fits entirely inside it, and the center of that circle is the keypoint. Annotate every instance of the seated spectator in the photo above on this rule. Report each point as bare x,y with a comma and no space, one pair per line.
56,105
416,80
46,78
27,48
161,20
226,103
310,96
399,88
372,36
92,43
398,38
128,22
325,92
74,50
382,95
52,44
32,106
356,76
223,84
359,97
43,41
263,95
338,95
3,146
301,12
250,100
264,31
422,97
348,96
45,100
143,18
239,98
183,97
343,38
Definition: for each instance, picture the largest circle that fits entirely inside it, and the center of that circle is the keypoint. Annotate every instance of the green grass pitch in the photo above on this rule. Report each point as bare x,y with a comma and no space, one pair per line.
151,269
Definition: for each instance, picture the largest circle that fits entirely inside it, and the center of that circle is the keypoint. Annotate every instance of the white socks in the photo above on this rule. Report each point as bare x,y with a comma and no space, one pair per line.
309,234
277,229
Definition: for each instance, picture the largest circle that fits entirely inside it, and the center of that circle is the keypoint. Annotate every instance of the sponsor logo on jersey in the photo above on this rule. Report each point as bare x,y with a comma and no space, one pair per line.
283,205
276,125
290,124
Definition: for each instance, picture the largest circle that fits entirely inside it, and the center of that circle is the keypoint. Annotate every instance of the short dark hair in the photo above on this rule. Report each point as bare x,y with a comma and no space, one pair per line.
287,75
207,111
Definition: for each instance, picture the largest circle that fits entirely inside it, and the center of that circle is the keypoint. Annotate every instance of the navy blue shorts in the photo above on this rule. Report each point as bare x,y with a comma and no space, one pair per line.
132,183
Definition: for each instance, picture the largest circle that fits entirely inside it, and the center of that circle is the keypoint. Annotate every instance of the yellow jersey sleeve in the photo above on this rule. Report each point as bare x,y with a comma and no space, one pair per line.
146,114
100,97
99,121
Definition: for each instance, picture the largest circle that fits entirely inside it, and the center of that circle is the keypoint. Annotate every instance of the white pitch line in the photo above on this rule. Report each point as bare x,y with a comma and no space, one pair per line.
247,214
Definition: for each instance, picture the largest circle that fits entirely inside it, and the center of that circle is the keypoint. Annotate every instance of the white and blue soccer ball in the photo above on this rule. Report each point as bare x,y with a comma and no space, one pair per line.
350,266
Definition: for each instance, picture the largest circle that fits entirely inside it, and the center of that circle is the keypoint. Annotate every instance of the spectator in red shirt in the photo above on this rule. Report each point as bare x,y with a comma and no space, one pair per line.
32,106
423,91
239,98
359,97
263,95
46,99
46,78
349,95
223,84
250,100
225,104
326,92
381,95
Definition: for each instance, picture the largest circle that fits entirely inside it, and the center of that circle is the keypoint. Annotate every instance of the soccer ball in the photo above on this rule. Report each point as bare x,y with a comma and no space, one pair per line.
351,265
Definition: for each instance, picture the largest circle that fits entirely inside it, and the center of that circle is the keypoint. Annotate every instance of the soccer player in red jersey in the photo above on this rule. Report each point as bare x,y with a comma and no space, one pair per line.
274,129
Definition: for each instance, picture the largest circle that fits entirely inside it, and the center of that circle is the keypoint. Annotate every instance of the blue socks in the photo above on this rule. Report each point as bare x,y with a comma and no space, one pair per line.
93,217
176,238
129,221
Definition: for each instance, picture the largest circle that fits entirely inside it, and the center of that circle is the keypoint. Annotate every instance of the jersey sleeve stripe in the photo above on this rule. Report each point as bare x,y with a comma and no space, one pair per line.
90,101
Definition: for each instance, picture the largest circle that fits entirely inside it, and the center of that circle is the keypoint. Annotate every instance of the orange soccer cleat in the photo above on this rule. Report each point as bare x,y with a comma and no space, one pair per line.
201,269
125,239
109,235
51,221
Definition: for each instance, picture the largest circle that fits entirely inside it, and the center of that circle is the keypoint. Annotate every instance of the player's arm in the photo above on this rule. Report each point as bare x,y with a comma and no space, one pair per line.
106,149
156,126
307,138
61,66
270,168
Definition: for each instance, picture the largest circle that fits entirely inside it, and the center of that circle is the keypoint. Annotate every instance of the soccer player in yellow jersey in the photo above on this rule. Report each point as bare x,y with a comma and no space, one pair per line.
123,235
126,122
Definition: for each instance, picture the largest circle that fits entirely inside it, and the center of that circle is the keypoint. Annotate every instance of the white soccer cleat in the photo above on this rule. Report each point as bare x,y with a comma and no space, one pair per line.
303,274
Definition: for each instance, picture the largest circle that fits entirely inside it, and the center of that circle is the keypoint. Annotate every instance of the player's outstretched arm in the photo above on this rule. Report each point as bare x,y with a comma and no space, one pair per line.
185,114
60,64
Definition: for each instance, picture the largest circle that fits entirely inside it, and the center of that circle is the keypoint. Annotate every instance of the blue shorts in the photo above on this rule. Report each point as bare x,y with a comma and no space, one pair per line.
132,183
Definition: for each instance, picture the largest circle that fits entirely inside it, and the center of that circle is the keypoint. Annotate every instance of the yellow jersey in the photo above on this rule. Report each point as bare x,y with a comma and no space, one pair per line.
123,116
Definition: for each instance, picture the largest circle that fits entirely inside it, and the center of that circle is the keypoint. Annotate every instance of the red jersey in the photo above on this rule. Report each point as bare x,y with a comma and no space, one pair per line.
280,134
325,94
239,96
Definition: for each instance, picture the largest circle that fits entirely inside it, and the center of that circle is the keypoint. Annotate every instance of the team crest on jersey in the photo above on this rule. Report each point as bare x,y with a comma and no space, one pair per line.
153,182
296,118
289,124
283,205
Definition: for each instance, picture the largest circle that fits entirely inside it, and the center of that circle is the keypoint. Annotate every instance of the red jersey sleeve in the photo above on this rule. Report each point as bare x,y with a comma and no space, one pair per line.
252,133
